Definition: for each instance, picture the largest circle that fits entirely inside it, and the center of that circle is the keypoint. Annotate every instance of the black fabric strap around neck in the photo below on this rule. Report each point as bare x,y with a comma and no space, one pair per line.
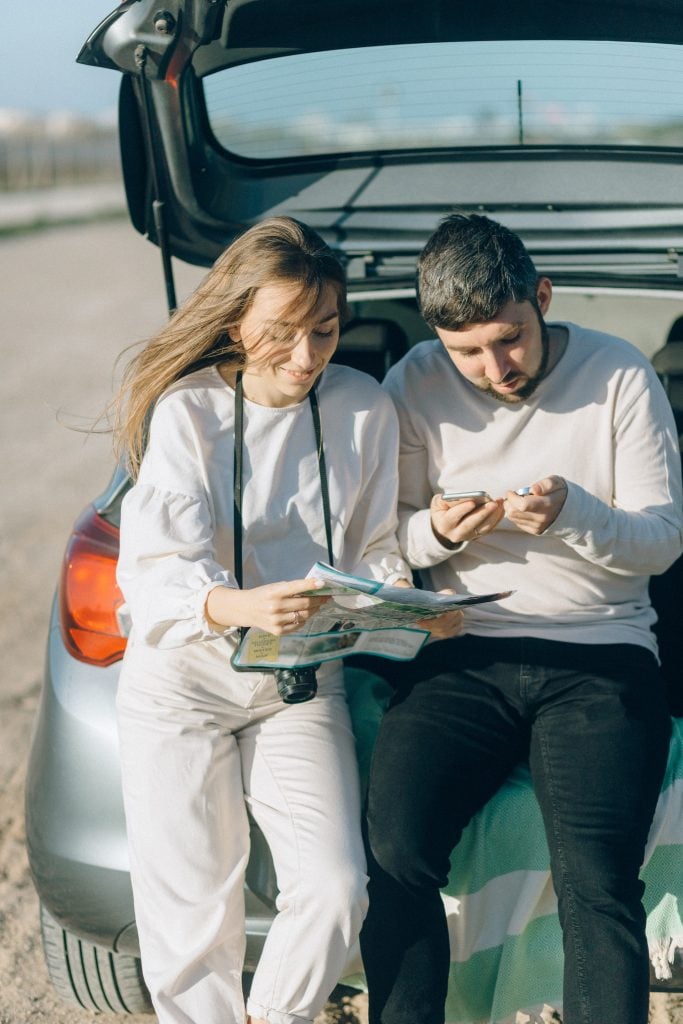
237,476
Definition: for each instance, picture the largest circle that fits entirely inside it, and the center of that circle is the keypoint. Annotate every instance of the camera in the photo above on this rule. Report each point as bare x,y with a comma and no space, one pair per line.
296,685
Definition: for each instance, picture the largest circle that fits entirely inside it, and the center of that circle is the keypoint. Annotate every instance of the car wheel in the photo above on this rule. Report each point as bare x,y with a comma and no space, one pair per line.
91,976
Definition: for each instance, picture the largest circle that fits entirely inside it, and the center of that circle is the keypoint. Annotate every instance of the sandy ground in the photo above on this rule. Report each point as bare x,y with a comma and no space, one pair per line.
73,299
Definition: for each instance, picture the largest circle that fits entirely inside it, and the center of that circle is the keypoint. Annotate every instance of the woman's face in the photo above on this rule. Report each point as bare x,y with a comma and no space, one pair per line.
285,354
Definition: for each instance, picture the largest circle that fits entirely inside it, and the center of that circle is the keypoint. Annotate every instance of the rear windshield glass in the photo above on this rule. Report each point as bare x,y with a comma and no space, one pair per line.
450,94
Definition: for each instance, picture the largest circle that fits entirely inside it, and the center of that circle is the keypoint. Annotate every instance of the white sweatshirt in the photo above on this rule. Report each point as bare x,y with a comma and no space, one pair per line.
602,421
177,521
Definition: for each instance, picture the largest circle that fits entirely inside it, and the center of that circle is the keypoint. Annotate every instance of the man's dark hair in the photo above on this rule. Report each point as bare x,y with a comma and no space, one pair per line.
469,269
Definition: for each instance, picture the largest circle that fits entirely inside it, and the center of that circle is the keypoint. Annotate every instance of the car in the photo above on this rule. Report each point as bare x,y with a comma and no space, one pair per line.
369,121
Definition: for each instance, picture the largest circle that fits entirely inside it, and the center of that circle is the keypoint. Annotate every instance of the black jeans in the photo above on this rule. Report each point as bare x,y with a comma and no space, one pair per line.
593,722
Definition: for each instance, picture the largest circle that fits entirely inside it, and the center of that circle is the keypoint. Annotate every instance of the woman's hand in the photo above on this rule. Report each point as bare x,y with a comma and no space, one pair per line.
456,521
277,608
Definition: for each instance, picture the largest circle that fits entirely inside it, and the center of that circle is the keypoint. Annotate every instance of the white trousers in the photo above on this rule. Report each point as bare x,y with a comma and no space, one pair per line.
200,744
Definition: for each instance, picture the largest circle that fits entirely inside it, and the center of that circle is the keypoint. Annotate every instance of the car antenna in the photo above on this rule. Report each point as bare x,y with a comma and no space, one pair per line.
158,209
520,112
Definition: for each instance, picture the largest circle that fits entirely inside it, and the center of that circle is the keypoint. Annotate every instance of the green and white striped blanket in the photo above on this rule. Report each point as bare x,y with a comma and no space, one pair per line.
506,943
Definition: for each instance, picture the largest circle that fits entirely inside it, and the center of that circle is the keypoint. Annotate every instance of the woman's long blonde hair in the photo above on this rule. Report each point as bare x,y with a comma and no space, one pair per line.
279,249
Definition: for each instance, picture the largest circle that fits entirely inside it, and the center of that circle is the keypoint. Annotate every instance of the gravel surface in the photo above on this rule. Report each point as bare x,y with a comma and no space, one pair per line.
73,299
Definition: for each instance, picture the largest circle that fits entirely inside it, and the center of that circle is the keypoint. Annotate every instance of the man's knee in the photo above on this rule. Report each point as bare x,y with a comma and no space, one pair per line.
406,856
599,876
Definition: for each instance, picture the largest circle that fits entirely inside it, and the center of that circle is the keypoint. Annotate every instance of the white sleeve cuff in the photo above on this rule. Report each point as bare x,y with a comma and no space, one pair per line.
423,548
206,626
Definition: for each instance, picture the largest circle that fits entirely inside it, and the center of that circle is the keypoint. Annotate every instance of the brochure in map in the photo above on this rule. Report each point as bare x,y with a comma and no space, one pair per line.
361,617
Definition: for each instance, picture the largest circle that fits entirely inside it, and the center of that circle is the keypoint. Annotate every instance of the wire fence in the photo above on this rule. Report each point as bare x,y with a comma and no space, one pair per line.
35,159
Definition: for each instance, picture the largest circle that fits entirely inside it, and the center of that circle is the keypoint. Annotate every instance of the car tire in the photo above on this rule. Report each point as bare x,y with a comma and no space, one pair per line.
91,976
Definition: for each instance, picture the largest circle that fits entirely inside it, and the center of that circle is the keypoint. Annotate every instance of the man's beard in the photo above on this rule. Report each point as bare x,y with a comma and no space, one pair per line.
527,390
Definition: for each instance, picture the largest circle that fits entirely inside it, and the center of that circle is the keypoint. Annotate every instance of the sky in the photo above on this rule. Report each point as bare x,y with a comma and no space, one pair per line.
39,73
38,49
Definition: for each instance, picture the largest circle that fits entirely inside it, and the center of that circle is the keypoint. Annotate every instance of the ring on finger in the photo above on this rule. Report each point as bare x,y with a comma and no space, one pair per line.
296,618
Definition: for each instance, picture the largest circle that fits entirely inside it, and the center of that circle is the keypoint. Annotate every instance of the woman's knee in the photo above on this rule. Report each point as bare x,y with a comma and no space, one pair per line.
339,894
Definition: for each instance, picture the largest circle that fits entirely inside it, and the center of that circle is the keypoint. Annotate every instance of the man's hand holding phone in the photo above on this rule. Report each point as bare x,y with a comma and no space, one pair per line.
459,516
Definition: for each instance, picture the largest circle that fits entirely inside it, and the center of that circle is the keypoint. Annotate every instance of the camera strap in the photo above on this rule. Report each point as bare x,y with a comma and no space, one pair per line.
237,475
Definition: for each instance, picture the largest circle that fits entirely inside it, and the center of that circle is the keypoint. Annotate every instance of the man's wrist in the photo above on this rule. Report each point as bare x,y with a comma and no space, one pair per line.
451,545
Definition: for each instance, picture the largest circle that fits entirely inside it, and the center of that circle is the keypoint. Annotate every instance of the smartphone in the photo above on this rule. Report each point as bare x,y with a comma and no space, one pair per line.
479,496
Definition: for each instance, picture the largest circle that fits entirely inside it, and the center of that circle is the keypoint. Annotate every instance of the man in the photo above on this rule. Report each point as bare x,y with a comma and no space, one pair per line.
564,672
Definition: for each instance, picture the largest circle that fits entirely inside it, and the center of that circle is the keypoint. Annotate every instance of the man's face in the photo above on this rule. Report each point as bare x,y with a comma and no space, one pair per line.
507,356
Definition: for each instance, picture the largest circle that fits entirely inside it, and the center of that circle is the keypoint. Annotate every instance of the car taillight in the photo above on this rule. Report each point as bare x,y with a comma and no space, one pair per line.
92,609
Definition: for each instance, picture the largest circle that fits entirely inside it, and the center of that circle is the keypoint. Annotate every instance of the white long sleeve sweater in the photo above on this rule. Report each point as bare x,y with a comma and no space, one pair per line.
177,521
602,421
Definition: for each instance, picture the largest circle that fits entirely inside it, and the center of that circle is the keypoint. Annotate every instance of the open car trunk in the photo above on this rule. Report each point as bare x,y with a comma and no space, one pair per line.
565,122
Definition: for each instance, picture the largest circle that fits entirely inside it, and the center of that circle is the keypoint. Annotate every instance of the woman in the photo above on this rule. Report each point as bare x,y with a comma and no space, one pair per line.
208,548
